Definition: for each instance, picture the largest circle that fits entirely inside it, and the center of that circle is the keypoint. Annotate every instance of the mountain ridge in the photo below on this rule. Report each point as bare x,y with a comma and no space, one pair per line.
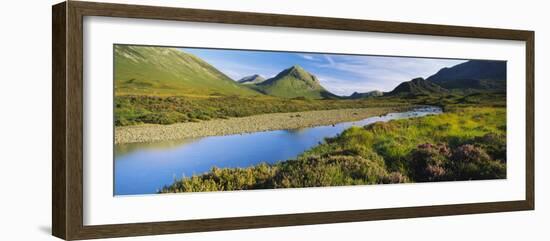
144,70
473,74
417,86
373,93
251,79
294,82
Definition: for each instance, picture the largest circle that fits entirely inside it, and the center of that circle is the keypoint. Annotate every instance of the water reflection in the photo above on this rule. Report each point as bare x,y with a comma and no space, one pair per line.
144,168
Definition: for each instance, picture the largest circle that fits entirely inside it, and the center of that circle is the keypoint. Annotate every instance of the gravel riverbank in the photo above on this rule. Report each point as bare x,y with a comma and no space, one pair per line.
264,122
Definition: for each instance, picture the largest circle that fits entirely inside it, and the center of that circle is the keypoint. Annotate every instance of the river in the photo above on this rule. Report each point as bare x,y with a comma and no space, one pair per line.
144,168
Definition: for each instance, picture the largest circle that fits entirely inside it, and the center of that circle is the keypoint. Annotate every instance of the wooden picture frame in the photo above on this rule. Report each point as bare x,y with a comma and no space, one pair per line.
67,149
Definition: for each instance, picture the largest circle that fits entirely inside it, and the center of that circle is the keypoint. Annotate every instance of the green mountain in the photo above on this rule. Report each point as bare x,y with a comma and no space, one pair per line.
141,70
252,79
373,93
473,74
294,82
418,86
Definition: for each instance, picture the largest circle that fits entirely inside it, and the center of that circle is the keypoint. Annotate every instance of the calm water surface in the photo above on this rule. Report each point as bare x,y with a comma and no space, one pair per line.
145,168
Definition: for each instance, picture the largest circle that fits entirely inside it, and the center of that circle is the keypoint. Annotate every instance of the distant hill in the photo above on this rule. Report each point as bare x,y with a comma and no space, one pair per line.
294,82
417,86
252,79
169,71
373,93
473,74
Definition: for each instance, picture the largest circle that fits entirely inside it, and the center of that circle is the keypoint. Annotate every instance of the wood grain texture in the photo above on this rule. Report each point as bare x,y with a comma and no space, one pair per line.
121,230
58,121
74,110
530,120
263,19
67,150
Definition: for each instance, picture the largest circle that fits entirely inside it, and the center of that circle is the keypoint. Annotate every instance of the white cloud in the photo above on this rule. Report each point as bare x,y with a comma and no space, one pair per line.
343,87
307,57
345,74
237,71
329,60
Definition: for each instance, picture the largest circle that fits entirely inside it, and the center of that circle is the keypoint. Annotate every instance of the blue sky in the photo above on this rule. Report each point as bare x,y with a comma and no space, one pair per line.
338,73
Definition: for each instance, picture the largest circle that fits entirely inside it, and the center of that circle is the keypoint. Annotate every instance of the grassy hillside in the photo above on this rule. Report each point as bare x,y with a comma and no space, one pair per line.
161,71
293,82
467,143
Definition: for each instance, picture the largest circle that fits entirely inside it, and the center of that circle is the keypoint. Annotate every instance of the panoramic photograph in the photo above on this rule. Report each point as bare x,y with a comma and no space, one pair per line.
206,120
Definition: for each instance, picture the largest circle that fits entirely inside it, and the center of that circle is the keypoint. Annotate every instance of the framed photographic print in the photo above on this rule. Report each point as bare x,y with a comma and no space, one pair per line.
171,120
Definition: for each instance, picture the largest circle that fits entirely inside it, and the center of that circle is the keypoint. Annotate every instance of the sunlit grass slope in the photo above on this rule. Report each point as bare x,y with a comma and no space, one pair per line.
294,82
162,71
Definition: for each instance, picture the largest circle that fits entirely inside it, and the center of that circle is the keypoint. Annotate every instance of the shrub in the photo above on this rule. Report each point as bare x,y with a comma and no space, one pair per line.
305,172
471,145
494,144
427,162
473,163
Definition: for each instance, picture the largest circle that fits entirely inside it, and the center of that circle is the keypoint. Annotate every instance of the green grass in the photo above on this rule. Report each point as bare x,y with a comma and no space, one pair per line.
466,143
133,110
458,99
157,85
143,109
395,140
161,71
291,83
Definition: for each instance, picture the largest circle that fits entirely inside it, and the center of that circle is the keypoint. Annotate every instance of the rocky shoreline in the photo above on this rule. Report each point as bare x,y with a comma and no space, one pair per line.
264,122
